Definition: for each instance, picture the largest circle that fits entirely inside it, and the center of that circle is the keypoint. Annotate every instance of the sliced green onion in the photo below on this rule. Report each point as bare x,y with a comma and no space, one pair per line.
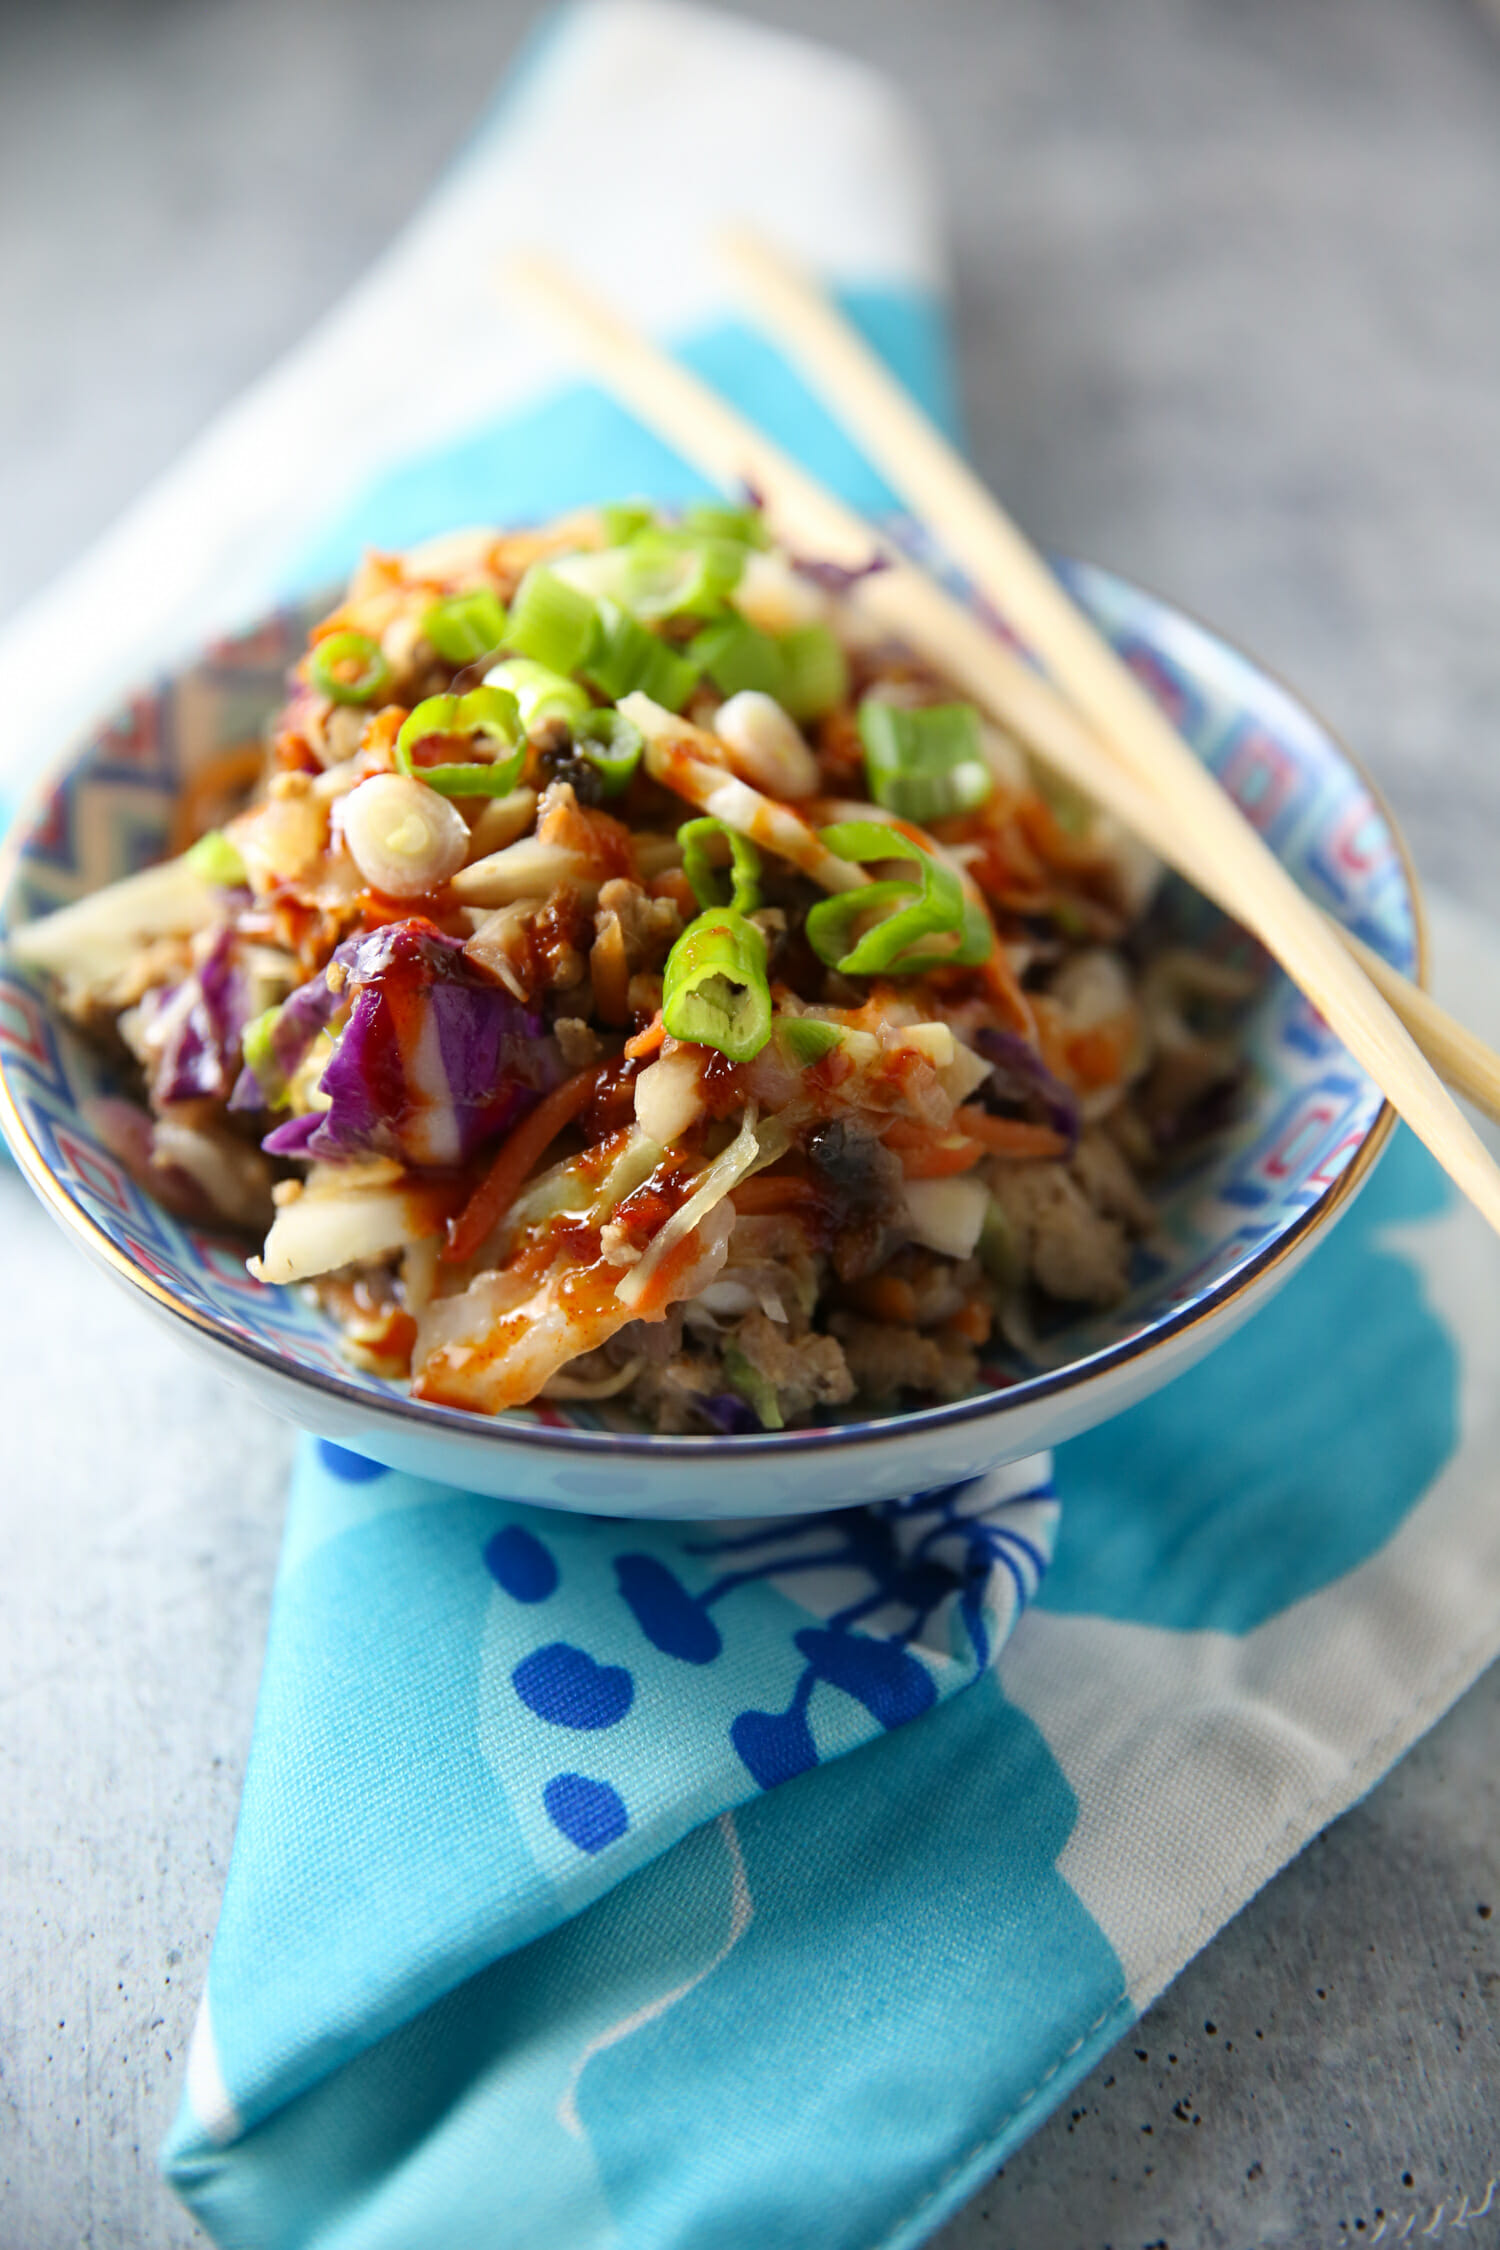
622,519
217,860
1072,811
625,657
464,627
817,671
551,621
613,744
926,765
717,521
737,655
658,573
681,573
933,904
757,1389
257,1045
349,668
540,692
488,719
704,874
998,1250
715,989
807,1039
976,937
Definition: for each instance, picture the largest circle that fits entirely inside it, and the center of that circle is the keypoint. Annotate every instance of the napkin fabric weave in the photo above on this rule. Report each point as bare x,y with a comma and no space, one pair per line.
607,1884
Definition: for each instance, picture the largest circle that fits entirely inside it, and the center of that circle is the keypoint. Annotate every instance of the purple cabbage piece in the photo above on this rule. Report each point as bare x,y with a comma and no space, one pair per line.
292,1138
731,1414
193,1028
837,578
432,1062
1020,1077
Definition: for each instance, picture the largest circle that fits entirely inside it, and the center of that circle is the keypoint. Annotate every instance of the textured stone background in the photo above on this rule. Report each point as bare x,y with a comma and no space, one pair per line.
1229,321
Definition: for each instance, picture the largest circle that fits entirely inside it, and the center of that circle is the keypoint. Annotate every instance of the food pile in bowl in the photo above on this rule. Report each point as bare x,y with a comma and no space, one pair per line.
635,980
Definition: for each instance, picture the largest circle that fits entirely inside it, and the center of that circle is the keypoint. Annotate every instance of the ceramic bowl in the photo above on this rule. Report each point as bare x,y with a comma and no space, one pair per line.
1234,1223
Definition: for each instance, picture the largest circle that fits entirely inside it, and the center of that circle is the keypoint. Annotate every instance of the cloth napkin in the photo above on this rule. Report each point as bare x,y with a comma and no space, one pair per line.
661,1887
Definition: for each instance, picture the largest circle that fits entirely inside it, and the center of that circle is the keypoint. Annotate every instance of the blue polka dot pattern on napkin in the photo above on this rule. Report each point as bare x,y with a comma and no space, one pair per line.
477,1718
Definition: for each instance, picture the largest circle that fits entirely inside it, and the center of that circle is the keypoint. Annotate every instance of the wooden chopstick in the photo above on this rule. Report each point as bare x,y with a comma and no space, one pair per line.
920,464
1228,858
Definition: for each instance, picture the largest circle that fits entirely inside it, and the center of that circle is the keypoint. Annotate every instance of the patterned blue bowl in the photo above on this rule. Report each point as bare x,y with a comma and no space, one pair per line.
1233,1223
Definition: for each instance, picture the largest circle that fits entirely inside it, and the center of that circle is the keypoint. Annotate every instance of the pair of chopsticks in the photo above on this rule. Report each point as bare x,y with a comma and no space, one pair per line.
1086,716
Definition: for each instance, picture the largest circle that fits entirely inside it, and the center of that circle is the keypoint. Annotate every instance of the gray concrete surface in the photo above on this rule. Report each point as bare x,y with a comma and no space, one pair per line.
1229,321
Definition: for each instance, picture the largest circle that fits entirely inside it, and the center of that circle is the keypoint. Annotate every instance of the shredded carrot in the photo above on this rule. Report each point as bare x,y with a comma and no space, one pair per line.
609,973
1011,1136
886,1296
972,1321
779,1191
1097,1056
337,621
515,1158
381,731
940,1157
673,884
1005,990
1008,861
1070,855
907,1132
923,838
646,1042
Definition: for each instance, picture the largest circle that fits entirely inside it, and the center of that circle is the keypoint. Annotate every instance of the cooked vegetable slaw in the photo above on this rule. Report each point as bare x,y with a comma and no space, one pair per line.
635,980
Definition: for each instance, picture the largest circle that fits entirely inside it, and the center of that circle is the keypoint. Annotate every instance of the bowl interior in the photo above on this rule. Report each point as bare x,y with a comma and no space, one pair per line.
1304,1115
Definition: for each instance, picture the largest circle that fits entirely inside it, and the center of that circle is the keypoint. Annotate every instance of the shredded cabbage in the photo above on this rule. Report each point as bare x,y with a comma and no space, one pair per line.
752,1147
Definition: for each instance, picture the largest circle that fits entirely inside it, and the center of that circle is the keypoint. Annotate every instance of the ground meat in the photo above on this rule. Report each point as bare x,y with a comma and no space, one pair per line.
932,1288
1101,1170
1070,1249
654,1341
633,935
669,1394
650,927
785,1281
810,1371
1184,1076
884,1358
534,948
1131,1135
577,1042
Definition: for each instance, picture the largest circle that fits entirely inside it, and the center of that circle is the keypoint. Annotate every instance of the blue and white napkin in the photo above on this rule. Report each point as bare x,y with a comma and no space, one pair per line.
665,1887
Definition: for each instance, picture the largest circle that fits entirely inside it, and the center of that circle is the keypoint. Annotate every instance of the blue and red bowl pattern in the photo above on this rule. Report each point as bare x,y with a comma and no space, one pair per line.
1307,1108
